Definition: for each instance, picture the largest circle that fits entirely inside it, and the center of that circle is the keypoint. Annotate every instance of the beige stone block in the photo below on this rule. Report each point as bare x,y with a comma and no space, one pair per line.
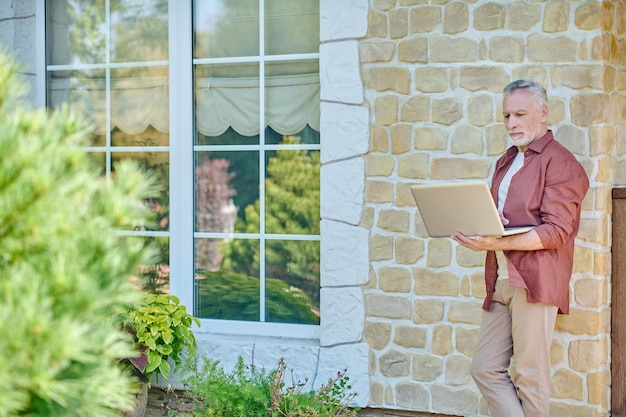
376,51
390,395
594,230
526,16
478,285
457,370
621,80
418,227
599,388
372,280
605,169
590,16
468,258
466,340
386,110
379,139
506,49
490,16
384,5
442,340
410,396
427,311
376,24
588,355
538,73
411,337
413,166
414,50
447,110
394,279
428,282
439,253
557,352
379,192
399,23
443,49
591,292
416,109
547,49
426,368
556,16
562,409
431,80
488,78
496,138
574,139
367,219
424,19
386,306
601,47
394,364
376,393
400,138
459,168
379,165
557,111
413,2
465,288
579,77
455,18
408,250
393,220
480,110
431,139
602,264
579,322
620,174
387,79
404,197
467,139
465,312
453,400
589,109
583,259
381,248
567,384
377,334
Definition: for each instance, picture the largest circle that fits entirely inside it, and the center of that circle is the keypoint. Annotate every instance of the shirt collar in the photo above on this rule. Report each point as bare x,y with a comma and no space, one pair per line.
537,146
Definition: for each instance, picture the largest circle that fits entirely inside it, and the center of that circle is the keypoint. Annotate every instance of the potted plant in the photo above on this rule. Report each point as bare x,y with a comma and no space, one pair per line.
162,329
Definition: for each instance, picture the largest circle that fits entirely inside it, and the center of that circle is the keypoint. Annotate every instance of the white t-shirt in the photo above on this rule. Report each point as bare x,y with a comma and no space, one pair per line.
517,164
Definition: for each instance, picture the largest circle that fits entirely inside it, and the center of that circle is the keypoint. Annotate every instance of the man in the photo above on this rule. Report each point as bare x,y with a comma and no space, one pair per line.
537,182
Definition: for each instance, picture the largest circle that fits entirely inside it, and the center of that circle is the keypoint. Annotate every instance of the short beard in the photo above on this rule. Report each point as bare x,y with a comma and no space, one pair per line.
524,141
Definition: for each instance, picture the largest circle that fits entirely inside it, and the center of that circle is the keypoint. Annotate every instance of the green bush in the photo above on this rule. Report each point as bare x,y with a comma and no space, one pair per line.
64,270
249,391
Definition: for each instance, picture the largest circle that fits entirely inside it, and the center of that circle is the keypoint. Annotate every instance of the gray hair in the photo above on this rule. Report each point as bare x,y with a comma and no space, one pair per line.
535,89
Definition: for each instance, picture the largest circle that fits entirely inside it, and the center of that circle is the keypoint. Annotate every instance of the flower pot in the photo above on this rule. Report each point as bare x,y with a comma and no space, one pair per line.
140,405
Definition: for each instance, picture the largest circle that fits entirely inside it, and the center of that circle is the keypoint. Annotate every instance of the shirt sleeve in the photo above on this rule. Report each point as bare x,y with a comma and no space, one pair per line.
566,184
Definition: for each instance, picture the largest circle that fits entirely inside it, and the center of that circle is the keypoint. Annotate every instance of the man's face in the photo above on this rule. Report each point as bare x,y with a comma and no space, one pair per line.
524,119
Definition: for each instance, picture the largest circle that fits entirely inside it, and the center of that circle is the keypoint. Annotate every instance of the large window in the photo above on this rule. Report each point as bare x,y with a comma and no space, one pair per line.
237,222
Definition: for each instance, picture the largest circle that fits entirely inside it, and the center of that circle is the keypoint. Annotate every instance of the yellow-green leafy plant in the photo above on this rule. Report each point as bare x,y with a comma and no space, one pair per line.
163,331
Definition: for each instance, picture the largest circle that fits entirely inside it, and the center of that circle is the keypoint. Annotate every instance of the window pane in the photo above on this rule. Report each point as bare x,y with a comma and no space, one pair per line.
156,277
227,97
292,191
226,28
230,292
227,185
158,164
291,27
139,30
84,91
292,290
75,32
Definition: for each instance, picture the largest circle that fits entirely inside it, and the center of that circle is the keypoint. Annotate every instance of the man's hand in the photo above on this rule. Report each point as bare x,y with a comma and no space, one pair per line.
478,243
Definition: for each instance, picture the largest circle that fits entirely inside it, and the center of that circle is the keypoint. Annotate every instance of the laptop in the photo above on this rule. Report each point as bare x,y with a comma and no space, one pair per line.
466,207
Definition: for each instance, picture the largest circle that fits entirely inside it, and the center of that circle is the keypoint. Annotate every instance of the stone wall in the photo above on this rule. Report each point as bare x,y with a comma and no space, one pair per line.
433,73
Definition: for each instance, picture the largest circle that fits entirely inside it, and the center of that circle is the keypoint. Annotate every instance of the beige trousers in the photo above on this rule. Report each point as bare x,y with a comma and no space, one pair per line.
511,365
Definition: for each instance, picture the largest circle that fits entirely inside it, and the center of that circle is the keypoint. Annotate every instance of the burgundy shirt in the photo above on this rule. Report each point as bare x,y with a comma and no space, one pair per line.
547,192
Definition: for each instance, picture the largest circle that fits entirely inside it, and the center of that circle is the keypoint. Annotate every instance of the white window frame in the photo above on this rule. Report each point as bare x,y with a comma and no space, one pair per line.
181,149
